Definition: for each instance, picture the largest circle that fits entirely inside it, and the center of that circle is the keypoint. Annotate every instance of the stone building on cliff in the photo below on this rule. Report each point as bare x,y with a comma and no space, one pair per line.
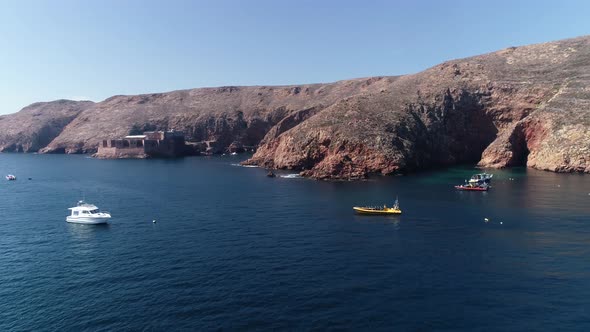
152,144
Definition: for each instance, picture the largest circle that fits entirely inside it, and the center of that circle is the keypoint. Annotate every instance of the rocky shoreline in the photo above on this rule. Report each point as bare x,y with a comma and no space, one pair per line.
520,106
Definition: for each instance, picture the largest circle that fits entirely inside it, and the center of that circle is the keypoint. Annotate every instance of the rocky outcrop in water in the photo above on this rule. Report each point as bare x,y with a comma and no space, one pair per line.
526,105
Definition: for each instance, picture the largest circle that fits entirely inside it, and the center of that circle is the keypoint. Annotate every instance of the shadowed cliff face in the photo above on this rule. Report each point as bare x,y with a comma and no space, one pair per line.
225,115
446,128
37,125
520,106
525,105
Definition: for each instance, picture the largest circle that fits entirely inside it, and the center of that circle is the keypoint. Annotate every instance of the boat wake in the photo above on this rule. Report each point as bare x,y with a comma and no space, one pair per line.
248,166
291,176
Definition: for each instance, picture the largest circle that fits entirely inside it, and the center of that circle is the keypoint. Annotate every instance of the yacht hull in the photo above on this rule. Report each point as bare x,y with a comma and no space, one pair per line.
467,188
87,220
365,210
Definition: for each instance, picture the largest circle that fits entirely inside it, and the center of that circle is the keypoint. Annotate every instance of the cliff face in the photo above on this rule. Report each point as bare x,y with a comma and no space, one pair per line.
525,105
225,115
520,106
37,125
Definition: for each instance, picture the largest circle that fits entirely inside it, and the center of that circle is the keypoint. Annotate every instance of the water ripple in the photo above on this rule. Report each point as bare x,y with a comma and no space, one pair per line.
235,250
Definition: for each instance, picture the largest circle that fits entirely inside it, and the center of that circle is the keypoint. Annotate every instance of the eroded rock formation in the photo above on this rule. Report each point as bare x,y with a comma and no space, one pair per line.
520,106
526,105
37,125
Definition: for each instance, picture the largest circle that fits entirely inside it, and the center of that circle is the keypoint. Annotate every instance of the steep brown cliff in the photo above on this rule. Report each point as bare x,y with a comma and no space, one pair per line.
519,106
226,115
526,105
37,125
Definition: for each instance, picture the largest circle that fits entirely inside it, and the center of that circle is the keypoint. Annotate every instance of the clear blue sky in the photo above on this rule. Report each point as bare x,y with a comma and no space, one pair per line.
75,49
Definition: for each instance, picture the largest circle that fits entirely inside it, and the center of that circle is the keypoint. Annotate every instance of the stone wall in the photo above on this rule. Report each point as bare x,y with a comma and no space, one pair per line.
156,144
120,153
169,147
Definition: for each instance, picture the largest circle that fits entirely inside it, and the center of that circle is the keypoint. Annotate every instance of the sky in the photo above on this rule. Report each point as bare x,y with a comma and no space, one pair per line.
91,50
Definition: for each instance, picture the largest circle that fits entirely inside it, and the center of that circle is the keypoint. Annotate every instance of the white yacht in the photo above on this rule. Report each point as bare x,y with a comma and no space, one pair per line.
481,178
85,213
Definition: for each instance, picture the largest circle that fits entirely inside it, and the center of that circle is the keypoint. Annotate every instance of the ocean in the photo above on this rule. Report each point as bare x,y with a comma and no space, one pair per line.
232,249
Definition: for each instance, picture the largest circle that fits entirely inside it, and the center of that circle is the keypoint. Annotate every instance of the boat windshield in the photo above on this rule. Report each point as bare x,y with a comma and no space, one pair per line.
94,211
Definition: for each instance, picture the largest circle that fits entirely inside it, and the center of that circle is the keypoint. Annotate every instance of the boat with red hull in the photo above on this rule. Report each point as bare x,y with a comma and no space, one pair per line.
472,188
478,182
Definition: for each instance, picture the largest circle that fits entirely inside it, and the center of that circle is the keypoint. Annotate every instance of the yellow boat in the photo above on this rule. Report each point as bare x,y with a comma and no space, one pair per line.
378,210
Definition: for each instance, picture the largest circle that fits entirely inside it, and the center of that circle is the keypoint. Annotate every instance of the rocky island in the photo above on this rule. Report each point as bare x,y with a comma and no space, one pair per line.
527,105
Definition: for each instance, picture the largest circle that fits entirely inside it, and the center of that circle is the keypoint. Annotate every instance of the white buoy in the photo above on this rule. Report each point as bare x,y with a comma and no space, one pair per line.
486,219
500,223
154,221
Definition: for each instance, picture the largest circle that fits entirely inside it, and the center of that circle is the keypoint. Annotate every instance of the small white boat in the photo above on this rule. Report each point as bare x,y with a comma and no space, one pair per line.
85,213
10,177
481,178
234,153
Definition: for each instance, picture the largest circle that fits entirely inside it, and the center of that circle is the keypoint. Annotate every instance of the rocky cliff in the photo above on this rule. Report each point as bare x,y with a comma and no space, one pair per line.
526,105
224,115
37,125
520,106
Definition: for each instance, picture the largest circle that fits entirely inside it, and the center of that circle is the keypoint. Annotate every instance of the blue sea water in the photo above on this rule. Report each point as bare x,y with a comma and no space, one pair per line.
235,250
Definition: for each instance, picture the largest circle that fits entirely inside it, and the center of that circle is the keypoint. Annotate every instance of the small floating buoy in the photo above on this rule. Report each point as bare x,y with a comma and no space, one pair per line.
486,219
154,221
500,223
